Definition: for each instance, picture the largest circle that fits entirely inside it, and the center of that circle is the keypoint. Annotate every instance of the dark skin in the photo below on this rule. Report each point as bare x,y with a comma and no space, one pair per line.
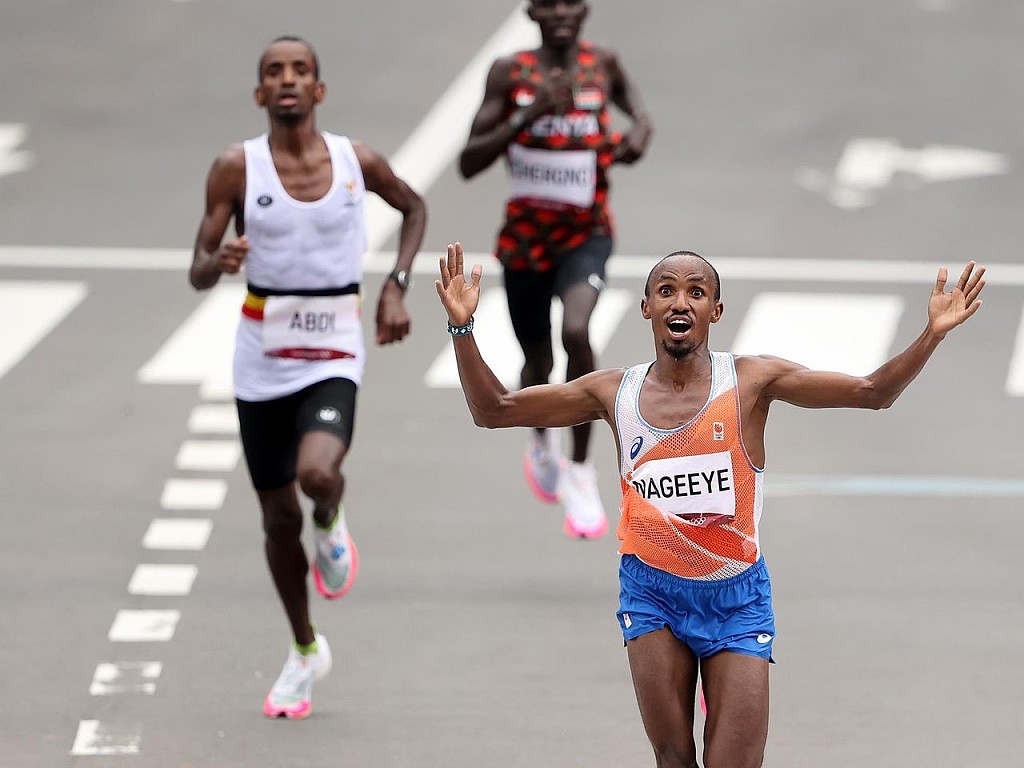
681,306
560,23
289,91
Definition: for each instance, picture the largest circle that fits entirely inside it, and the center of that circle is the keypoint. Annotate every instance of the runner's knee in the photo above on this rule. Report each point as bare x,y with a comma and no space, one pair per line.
318,482
675,756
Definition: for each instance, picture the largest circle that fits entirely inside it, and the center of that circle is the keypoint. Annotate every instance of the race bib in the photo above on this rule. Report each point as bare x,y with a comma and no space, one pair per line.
312,327
693,488
559,176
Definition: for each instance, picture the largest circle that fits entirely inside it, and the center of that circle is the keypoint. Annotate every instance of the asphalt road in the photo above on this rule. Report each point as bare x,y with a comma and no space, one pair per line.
477,633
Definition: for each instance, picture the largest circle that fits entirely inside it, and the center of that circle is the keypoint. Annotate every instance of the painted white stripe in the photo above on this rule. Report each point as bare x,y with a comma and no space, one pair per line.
208,455
434,144
112,678
213,419
95,738
828,332
494,334
204,343
825,270
143,626
29,310
162,580
1015,378
12,159
182,493
177,534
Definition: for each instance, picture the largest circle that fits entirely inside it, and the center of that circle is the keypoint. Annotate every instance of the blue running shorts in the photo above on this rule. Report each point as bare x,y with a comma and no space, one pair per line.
733,614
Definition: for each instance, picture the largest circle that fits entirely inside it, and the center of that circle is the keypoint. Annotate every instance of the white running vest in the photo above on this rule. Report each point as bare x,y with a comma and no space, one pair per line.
302,247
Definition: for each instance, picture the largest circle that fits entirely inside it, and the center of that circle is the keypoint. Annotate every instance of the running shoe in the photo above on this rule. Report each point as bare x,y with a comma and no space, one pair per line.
542,465
292,694
336,560
584,513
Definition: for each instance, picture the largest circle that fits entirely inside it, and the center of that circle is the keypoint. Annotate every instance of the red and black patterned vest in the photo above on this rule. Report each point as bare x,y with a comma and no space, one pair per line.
557,167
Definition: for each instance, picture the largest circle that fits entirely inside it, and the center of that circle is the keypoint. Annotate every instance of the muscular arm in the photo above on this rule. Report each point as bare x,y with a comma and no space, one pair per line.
627,98
393,322
587,398
776,379
225,184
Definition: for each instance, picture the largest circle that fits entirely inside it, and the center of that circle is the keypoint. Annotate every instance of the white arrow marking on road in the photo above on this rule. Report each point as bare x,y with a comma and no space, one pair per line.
12,159
868,166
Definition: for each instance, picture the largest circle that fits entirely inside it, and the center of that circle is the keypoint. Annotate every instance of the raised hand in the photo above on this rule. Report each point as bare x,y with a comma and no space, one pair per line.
459,296
948,310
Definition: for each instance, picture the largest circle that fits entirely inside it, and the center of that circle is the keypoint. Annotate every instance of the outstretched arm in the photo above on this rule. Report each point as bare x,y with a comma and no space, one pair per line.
393,322
490,403
792,383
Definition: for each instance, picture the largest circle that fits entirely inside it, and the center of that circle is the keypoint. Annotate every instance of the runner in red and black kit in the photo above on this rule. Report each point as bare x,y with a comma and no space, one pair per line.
546,111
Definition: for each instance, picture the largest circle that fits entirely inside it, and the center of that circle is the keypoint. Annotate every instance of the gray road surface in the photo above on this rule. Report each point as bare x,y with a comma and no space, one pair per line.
477,633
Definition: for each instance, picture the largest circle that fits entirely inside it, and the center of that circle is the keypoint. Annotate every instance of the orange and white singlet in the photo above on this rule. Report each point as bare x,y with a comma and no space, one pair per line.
301,318
691,498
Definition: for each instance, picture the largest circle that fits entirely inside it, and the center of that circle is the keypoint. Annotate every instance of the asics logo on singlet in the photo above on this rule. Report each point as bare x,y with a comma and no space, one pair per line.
762,639
328,415
634,450
264,200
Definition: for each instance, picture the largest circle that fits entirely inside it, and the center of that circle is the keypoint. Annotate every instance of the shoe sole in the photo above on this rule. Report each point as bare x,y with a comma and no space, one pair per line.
535,487
321,585
298,712
576,532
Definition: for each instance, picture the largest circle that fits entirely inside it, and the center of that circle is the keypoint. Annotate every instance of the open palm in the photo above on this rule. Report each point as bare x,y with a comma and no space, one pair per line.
459,296
948,310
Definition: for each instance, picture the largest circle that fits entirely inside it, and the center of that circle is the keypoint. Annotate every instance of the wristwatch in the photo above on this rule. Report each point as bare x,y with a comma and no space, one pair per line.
402,278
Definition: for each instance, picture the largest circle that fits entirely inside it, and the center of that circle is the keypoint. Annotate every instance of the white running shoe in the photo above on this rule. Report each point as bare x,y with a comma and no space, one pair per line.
336,560
292,694
542,465
584,513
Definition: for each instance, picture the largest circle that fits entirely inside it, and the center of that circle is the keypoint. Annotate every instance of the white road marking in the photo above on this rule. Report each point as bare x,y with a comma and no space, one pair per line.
1015,378
213,419
29,310
12,159
495,335
181,493
435,142
916,486
144,626
208,455
815,270
830,332
95,738
162,580
177,534
869,165
113,678
203,343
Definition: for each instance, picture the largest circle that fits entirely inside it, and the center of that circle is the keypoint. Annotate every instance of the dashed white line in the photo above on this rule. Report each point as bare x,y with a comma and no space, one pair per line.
214,419
161,580
177,534
113,678
183,493
208,455
95,738
143,626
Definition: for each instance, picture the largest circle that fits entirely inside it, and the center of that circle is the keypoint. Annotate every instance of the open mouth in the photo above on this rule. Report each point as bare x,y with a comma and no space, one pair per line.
679,326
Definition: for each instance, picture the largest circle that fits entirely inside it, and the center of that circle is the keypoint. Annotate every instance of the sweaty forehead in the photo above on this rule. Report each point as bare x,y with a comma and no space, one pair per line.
286,50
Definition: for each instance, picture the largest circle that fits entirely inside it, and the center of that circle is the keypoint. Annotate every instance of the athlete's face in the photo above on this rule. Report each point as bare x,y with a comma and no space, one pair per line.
681,304
560,21
289,87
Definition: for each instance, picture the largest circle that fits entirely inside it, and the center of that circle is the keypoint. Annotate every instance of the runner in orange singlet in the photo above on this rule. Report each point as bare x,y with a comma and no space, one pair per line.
695,596
546,112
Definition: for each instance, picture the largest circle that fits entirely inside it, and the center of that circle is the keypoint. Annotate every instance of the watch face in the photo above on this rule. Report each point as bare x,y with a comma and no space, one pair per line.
402,278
